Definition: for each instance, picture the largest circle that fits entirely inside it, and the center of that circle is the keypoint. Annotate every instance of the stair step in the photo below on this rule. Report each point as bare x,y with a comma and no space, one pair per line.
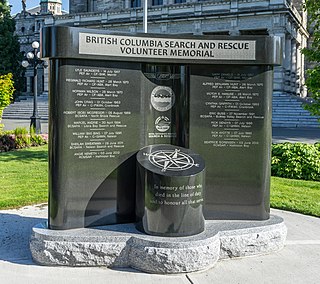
22,108
281,118
288,111
292,112
294,124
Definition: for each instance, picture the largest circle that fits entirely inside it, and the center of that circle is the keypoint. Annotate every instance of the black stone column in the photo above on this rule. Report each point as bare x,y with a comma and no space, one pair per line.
170,187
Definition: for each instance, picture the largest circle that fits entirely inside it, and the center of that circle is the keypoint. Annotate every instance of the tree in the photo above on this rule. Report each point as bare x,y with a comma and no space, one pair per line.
10,56
313,55
6,91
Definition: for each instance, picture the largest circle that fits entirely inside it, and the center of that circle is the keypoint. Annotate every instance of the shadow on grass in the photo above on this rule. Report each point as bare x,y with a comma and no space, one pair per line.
15,234
25,155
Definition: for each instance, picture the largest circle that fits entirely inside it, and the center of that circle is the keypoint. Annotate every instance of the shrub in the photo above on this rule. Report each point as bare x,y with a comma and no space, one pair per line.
7,143
22,138
6,91
37,140
296,161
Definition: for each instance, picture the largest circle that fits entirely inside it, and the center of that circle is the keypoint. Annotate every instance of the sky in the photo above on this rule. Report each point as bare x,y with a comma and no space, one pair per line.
17,7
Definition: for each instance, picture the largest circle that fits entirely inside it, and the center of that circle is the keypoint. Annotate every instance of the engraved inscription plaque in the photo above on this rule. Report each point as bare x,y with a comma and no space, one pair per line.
114,94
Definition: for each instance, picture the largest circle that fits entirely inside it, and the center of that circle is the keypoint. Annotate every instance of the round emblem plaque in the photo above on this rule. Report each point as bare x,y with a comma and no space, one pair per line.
162,98
162,123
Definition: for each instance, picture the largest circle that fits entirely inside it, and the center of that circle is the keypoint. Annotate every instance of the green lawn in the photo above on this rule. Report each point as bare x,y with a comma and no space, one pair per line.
24,181
296,195
23,177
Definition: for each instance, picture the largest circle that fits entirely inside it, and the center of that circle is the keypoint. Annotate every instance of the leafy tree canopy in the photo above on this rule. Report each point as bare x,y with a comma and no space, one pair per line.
4,8
10,56
313,55
6,91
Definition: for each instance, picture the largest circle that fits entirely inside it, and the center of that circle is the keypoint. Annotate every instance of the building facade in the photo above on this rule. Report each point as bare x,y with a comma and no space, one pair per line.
283,18
28,26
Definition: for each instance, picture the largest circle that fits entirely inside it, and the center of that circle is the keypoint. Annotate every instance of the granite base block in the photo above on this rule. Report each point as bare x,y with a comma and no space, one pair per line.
124,246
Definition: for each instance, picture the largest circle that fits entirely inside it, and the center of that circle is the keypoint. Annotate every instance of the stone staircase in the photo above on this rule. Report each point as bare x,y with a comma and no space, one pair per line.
23,108
288,111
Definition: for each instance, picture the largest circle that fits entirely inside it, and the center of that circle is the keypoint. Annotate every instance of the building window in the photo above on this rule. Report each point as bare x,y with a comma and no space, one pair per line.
135,3
157,2
23,29
52,8
254,32
180,1
217,33
24,84
31,84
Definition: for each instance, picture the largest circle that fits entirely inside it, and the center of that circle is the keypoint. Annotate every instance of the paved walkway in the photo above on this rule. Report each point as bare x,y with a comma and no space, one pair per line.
304,135
10,124
297,263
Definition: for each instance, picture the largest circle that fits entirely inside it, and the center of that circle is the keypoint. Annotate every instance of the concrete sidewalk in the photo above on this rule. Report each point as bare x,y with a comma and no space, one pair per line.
297,263
293,135
11,124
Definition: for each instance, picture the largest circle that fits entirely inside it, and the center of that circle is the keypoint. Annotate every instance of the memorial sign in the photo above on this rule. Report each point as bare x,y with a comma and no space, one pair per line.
113,94
232,117
160,48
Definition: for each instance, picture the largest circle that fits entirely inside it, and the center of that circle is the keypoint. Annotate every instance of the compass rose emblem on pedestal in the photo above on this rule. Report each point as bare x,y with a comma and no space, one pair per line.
171,160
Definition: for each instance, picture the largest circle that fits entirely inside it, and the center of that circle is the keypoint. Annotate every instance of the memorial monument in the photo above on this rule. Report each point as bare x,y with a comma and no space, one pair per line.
112,95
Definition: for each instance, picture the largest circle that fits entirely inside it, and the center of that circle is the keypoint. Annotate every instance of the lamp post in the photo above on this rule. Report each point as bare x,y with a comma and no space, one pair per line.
33,59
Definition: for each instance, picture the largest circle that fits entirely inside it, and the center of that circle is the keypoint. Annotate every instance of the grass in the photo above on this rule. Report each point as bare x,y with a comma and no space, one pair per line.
296,195
24,181
23,177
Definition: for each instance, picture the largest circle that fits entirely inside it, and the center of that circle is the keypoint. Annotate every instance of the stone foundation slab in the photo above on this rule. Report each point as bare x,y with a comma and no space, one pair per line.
124,246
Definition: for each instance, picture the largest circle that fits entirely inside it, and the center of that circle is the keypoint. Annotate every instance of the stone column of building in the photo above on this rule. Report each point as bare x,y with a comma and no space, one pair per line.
287,63
300,76
29,83
127,4
303,88
279,71
40,80
234,29
293,65
46,80
164,28
299,70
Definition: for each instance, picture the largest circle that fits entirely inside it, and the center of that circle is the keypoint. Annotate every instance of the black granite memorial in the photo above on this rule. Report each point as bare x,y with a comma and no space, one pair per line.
166,111
113,94
170,187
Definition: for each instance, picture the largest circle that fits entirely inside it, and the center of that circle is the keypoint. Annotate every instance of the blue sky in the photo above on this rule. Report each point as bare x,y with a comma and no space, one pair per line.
17,7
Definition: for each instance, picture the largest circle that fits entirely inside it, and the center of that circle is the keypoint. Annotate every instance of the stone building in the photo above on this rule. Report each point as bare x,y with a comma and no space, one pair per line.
28,26
283,18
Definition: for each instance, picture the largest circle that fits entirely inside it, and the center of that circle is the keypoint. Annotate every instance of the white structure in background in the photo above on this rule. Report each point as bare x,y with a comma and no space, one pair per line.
283,18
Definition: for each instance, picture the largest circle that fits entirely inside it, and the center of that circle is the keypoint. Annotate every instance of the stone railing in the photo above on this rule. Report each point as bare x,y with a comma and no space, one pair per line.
198,8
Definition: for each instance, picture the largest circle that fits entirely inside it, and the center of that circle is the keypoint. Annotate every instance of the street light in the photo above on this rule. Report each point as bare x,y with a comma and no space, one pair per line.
33,59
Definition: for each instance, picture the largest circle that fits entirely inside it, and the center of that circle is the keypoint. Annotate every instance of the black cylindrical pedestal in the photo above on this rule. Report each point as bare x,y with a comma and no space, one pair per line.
170,185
